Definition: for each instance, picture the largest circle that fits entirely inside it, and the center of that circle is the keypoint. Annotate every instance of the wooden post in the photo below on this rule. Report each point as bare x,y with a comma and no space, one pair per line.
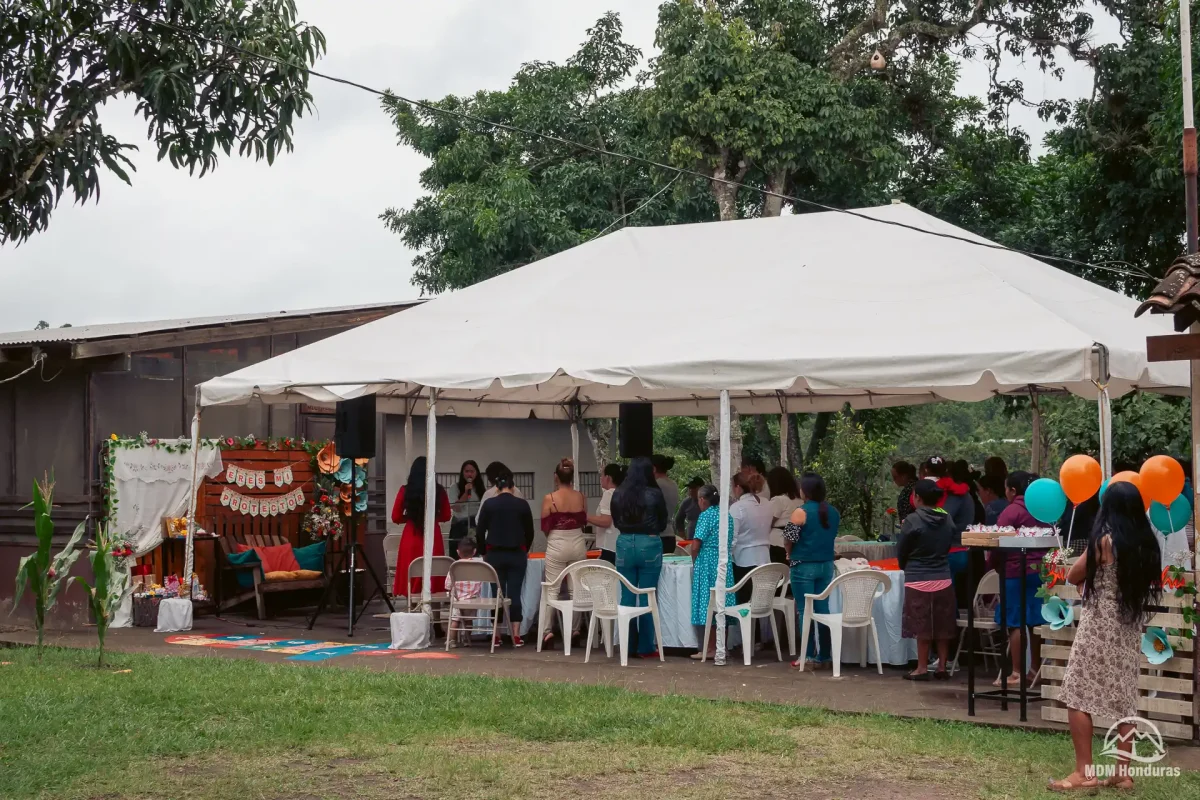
1189,127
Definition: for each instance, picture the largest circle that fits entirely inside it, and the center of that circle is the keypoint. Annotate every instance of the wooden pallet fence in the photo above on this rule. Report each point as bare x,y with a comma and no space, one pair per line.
1166,692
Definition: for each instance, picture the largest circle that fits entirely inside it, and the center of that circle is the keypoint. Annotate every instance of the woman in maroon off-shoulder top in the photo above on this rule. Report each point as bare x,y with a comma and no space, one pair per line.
564,513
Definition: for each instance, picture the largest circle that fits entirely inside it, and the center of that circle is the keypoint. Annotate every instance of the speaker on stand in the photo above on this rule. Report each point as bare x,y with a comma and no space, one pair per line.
354,437
635,433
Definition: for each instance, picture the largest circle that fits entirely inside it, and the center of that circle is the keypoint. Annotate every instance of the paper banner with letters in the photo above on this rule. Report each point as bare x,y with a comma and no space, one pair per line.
262,506
257,478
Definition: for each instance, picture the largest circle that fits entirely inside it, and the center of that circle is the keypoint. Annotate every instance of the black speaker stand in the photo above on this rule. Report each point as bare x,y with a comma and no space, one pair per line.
347,565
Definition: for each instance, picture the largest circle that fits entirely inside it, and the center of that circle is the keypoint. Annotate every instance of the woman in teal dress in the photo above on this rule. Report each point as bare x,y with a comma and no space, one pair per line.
705,551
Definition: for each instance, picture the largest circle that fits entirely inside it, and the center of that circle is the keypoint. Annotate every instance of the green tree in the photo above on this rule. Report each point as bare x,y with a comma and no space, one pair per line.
855,468
61,60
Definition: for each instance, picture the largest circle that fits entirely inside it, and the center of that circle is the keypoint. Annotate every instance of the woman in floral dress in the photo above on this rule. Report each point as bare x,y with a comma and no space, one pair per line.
705,551
1120,580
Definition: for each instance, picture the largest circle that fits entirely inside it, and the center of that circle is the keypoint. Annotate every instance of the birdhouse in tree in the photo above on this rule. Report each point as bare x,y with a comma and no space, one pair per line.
878,62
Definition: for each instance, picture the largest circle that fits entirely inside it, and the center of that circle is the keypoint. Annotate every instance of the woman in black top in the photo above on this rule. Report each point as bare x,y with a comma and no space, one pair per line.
639,512
505,533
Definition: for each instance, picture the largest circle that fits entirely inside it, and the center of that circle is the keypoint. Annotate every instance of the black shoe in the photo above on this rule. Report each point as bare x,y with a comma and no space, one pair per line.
917,676
941,675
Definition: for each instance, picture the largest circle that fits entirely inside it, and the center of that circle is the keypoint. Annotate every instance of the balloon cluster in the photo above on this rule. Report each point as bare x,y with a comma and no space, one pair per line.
1160,483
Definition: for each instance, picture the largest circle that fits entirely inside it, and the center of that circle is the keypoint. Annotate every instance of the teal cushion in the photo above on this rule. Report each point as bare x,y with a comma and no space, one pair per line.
311,557
245,577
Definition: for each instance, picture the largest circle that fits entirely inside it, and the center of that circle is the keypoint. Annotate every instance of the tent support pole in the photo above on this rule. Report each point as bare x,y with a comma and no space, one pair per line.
574,412
189,557
1035,451
408,446
429,526
722,526
1104,405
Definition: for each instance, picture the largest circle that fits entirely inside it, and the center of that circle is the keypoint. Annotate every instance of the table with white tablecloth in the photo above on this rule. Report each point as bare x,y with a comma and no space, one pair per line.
874,551
889,614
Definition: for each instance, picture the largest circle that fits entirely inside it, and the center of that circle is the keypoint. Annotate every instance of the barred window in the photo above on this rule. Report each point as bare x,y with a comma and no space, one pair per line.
589,484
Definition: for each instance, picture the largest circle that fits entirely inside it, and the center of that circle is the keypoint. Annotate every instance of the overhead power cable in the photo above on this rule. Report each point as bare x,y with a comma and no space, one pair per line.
679,171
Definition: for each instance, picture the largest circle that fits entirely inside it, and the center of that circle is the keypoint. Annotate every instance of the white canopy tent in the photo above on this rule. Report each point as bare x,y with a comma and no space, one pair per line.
799,313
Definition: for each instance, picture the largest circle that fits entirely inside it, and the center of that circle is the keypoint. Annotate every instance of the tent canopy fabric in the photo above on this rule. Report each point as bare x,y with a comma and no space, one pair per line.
797,313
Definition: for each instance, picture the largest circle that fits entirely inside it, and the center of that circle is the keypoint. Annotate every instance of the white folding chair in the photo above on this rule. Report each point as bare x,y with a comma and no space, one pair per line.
785,604
579,602
764,582
604,583
391,552
985,623
859,590
484,573
440,568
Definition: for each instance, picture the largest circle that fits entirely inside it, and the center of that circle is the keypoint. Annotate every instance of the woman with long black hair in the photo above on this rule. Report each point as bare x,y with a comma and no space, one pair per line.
809,538
465,497
639,512
1120,579
409,511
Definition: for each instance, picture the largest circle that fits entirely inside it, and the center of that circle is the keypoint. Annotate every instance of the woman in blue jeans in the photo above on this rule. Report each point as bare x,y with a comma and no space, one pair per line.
808,539
639,513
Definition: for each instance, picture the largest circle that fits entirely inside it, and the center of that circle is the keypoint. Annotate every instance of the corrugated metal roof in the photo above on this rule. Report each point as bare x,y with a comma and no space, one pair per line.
116,330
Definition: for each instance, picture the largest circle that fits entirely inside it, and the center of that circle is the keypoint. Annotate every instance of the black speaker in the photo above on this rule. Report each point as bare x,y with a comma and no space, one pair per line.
354,427
636,429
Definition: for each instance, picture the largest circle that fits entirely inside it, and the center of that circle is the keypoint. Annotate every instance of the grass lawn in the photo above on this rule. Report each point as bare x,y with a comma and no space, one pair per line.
212,727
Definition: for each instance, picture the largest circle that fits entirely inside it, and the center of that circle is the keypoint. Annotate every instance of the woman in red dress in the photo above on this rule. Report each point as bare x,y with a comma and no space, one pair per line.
409,510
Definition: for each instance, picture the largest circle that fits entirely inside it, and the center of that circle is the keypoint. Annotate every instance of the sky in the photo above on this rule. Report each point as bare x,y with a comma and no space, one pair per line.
305,232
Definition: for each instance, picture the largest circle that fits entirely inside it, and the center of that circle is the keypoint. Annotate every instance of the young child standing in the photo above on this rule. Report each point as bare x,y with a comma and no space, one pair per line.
1120,579
930,613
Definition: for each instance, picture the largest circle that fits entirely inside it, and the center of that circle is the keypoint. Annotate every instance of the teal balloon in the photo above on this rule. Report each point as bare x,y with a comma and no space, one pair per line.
1171,520
1103,488
1045,500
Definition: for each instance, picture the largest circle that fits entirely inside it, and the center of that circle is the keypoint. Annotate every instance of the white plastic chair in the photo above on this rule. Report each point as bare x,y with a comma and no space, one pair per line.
764,582
484,573
859,590
604,583
579,602
786,604
985,622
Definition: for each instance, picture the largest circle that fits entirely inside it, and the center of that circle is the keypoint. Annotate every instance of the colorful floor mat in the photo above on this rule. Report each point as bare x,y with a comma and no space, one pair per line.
294,649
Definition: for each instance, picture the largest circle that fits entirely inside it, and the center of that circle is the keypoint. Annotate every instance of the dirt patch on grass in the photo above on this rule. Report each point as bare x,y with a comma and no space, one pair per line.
501,768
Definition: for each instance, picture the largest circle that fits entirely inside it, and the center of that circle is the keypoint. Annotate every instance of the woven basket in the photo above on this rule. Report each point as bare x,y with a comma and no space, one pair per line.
145,611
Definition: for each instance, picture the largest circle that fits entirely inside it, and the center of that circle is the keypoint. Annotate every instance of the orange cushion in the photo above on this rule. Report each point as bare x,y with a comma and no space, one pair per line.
279,558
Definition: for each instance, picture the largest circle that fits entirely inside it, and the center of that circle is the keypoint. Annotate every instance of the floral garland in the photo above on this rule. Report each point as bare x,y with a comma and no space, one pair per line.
114,443
1175,578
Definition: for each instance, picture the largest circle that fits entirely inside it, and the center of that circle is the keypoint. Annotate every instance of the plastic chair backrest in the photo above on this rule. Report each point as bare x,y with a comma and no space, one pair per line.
391,549
480,571
858,593
848,538
851,554
764,582
579,592
603,583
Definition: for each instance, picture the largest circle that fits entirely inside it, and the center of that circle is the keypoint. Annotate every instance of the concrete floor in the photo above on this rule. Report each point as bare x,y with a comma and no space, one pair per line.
766,680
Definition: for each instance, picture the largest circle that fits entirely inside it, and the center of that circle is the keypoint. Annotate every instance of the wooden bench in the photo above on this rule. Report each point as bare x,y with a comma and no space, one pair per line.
232,532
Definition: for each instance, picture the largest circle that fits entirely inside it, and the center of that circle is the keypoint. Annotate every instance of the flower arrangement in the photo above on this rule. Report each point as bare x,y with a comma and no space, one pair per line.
323,520
1053,571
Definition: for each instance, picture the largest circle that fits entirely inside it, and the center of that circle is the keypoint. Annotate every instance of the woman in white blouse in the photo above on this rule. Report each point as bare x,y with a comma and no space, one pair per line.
785,498
751,529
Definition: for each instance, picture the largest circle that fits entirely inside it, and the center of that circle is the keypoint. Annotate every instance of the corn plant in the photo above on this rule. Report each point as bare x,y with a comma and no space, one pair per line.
42,574
110,584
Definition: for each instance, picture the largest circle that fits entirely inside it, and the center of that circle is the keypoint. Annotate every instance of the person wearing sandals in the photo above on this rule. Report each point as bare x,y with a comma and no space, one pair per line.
1007,563
705,547
1120,579
808,539
930,611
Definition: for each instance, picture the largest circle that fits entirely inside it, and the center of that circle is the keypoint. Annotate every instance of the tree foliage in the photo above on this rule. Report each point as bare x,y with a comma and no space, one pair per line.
62,60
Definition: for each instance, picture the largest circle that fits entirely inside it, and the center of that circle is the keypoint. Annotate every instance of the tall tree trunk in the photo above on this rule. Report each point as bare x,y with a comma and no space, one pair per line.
795,453
820,429
600,433
725,194
773,205
769,443
714,446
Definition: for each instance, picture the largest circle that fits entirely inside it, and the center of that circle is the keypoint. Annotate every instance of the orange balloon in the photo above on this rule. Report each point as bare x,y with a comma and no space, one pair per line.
1162,479
1129,476
1080,477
